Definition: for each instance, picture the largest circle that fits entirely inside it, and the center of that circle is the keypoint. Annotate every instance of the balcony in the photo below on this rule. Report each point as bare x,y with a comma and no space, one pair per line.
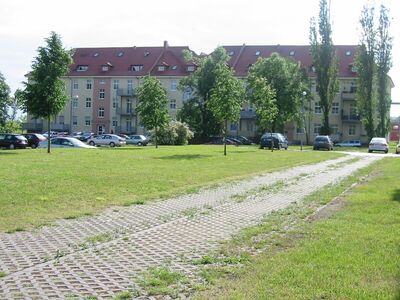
348,96
351,118
124,112
247,114
32,127
126,92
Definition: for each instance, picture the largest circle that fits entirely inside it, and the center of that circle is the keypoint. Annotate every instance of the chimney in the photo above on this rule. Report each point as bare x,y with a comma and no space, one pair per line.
165,45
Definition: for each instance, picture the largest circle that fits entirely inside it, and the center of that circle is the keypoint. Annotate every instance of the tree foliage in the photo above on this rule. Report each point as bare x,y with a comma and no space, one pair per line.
44,93
4,100
176,133
195,111
275,86
325,62
152,105
365,65
383,63
226,97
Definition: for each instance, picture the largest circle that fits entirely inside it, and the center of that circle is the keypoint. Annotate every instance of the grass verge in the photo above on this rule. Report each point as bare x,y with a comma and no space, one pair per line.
37,188
351,252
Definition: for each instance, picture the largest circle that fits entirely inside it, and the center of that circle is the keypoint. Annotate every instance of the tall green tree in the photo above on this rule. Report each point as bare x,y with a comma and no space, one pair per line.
16,104
152,105
383,65
325,62
226,97
44,92
195,111
4,100
366,69
275,86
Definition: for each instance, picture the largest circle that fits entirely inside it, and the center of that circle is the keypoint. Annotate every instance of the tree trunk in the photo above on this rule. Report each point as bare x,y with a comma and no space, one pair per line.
48,134
155,136
225,125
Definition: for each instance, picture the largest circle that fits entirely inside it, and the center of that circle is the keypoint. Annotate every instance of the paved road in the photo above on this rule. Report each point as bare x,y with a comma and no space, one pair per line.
105,254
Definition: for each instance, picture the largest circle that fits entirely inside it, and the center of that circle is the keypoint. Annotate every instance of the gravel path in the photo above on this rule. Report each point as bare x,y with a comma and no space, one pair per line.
103,255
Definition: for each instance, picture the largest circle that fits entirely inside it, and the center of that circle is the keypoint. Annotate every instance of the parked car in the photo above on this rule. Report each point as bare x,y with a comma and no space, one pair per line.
85,136
398,148
13,141
323,142
378,144
220,141
274,139
64,142
242,139
34,139
139,140
349,143
111,140
52,134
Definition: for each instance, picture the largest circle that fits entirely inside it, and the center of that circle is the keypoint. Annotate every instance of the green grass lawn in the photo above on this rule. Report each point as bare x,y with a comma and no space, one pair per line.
353,254
37,188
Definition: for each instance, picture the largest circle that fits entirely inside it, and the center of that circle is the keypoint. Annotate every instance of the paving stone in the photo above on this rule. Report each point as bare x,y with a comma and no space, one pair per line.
58,260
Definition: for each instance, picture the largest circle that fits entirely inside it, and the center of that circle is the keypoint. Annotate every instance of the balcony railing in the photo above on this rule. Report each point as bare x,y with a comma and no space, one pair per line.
348,96
350,118
126,92
125,112
247,114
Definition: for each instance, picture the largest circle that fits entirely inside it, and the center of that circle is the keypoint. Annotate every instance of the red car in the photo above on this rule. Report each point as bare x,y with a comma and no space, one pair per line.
13,141
34,139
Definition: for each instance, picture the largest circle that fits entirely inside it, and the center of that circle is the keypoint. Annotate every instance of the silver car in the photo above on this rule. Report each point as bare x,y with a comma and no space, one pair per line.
64,142
378,144
111,140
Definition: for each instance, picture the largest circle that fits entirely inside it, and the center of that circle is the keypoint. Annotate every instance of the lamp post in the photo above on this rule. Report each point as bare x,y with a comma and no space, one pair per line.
304,120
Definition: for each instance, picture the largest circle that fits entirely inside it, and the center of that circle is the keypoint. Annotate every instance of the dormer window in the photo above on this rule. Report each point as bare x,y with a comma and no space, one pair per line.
348,53
96,54
146,53
174,67
161,68
353,68
105,68
136,68
257,53
82,68
291,53
120,54
231,53
190,68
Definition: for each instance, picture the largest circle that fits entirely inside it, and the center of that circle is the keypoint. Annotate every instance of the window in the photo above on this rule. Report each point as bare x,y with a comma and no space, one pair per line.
317,128
102,94
74,120
101,112
317,107
75,102
234,126
102,82
128,124
61,120
174,67
231,53
130,86
89,84
104,68
172,104
187,94
352,129
136,68
353,109
300,130
96,54
115,84
75,84
190,68
173,85
334,129
257,53
348,53
87,121
82,68
161,68
128,106
120,54
291,53
335,108
114,103
146,53
115,123
88,102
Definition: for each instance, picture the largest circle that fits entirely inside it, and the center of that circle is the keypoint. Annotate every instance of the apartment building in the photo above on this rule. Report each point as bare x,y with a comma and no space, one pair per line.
102,83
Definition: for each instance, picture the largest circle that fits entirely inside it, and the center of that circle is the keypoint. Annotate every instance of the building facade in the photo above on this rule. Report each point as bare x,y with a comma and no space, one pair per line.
102,90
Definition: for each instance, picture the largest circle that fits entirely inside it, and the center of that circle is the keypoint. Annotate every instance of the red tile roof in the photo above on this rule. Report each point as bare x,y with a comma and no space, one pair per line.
121,60
244,56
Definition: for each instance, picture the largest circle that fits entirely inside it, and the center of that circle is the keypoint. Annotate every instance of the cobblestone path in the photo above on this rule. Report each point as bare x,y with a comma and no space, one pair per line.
105,254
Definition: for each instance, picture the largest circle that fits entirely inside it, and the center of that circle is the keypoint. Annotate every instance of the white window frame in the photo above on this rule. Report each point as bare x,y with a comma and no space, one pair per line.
88,103
172,104
89,84
75,84
317,107
317,128
102,94
335,108
74,120
115,84
174,85
101,113
352,130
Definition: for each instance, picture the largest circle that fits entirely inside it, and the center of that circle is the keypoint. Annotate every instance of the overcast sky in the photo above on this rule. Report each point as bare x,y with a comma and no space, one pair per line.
201,25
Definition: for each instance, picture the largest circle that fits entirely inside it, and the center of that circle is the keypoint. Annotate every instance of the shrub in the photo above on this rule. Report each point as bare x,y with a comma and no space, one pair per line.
176,133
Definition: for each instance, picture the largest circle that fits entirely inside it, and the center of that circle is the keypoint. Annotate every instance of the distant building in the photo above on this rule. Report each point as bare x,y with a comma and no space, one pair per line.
102,84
